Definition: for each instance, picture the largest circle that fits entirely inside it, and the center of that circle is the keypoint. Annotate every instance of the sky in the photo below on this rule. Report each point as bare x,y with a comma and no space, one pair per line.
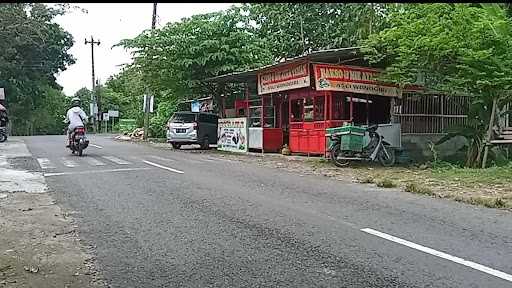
109,23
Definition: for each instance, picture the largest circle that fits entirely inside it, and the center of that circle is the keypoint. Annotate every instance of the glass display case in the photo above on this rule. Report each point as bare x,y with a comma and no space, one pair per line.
255,113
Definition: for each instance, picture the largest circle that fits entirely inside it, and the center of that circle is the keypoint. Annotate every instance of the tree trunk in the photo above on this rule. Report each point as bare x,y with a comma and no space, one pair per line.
489,132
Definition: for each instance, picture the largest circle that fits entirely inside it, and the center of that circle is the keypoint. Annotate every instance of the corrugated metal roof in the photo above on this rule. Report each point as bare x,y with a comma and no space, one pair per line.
328,56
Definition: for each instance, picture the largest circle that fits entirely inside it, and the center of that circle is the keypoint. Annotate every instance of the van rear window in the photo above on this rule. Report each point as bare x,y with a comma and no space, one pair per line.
183,118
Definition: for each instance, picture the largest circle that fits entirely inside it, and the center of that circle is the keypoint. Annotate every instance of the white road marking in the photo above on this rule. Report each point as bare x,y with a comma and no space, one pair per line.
449,257
163,167
45,163
94,161
96,146
161,158
69,163
94,171
116,160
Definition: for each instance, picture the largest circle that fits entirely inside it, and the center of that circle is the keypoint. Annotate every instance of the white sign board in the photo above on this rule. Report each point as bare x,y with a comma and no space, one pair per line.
93,108
105,117
232,133
362,80
151,102
113,113
2,94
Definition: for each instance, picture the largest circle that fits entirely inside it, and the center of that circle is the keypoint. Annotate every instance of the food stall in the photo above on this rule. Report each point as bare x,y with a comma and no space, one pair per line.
295,101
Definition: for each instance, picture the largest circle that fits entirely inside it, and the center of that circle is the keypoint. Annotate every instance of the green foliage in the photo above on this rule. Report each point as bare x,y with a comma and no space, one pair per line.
162,115
181,55
34,49
290,29
456,48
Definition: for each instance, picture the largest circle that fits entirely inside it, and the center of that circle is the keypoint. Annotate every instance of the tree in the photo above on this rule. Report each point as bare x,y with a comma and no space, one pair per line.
456,48
34,48
174,61
291,29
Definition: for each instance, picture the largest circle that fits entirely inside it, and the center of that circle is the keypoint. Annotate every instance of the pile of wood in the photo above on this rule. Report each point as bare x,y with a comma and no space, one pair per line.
137,134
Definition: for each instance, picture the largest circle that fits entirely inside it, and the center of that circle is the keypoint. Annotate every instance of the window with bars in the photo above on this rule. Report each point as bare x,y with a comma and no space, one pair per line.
430,113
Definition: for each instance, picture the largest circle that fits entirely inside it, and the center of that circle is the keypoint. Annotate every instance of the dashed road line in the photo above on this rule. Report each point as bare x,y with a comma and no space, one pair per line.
45,163
161,158
116,160
440,254
163,167
95,171
96,146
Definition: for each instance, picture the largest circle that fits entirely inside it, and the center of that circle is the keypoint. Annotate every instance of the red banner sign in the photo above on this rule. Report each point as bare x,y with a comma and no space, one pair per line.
352,79
284,78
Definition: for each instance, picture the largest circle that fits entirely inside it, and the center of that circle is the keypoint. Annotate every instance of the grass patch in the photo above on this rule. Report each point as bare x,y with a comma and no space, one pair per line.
367,180
418,189
488,202
385,183
469,176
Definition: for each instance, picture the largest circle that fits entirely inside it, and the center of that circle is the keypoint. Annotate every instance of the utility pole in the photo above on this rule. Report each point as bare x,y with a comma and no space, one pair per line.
146,108
93,98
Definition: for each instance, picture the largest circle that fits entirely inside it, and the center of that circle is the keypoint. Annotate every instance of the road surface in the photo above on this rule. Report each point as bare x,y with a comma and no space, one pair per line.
163,218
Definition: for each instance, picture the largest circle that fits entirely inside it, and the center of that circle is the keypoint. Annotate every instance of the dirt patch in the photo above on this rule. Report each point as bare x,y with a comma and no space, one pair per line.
39,245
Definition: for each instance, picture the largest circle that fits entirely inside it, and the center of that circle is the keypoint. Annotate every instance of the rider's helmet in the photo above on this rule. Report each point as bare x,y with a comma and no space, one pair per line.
75,102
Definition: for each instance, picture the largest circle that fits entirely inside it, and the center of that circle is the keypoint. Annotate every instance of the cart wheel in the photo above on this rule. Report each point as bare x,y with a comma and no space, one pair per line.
335,151
385,160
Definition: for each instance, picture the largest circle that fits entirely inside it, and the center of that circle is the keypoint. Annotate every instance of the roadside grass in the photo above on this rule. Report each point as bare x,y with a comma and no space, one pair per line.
385,183
491,187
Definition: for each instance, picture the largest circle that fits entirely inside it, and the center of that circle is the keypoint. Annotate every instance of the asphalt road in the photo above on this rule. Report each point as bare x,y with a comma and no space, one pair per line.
188,220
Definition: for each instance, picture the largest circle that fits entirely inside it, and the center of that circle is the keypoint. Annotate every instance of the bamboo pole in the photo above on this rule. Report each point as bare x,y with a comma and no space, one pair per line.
489,133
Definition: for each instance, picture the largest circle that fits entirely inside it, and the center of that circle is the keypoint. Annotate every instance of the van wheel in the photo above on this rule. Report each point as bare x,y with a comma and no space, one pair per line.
206,144
176,145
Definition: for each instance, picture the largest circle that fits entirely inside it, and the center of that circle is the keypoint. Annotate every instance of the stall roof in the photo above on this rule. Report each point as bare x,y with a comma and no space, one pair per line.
326,56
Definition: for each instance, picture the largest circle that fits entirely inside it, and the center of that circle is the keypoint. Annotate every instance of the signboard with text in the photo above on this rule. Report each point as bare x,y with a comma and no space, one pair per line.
113,113
232,133
329,77
283,78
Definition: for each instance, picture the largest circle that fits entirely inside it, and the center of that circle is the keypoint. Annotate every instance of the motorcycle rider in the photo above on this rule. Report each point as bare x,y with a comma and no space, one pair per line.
76,118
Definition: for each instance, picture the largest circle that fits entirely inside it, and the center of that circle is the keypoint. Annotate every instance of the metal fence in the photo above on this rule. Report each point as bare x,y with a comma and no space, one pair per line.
430,113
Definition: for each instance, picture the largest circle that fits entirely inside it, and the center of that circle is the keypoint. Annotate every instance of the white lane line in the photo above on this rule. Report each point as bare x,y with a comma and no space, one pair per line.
94,161
45,163
96,146
161,158
94,171
449,257
116,160
163,167
69,163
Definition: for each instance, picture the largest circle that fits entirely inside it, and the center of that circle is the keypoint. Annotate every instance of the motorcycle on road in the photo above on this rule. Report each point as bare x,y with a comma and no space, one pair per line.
78,141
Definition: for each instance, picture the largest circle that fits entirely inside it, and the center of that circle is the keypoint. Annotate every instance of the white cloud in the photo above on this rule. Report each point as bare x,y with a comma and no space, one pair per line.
110,23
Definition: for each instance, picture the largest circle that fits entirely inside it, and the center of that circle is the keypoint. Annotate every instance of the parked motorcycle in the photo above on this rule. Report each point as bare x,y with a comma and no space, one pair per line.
78,141
377,149
3,134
